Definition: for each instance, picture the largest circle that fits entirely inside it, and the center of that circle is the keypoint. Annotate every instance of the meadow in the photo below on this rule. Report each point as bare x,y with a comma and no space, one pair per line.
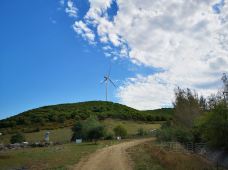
63,135
62,156
52,157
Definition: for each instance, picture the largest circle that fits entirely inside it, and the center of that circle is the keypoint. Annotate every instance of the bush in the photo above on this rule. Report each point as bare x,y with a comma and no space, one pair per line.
17,138
109,136
214,126
120,131
89,129
142,132
165,134
178,134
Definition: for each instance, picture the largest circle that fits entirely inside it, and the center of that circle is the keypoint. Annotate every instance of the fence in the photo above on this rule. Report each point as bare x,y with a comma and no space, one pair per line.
190,148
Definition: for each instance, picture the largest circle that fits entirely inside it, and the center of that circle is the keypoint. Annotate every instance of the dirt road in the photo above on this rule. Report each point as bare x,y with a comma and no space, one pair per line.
110,158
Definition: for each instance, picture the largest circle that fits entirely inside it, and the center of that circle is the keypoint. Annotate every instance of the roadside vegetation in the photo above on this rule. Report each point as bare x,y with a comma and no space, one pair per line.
197,120
149,156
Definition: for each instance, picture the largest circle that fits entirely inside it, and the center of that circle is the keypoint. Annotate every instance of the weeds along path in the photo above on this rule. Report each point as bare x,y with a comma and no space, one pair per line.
110,158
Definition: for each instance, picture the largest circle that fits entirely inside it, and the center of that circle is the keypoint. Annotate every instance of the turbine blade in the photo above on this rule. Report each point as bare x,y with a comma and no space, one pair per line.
112,82
102,81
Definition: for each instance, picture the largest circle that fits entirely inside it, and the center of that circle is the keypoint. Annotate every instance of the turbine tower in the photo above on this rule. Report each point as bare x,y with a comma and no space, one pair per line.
106,81
225,90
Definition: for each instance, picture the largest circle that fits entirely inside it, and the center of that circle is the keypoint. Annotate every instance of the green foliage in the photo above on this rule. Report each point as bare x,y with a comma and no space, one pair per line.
89,129
214,126
119,130
109,136
171,133
142,132
17,138
187,107
57,116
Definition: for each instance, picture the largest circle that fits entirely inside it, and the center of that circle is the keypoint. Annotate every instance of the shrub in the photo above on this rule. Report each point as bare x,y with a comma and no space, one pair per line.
109,136
165,134
120,131
179,134
17,138
142,132
89,129
214,126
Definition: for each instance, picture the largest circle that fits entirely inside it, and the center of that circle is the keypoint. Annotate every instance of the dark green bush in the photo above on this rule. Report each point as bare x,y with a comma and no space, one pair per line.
109,136
119,130
89,129
17,138
142,132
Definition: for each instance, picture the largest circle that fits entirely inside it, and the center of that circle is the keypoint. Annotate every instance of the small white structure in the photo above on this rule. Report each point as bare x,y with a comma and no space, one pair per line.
78,141
46,136
118,138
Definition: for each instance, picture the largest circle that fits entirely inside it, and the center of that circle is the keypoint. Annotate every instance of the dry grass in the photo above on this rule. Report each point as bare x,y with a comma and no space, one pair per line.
148,156
131,126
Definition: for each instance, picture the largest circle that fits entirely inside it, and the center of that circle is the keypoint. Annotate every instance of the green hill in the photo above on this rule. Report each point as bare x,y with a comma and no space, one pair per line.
65,115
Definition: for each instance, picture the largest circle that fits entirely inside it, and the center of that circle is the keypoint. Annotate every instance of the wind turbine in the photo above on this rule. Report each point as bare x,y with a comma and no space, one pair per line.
106,81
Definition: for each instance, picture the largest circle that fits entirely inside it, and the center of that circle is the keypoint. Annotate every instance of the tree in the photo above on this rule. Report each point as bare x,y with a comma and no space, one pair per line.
120,131
187,106
89,129
214,126
77,131
17,138
96,133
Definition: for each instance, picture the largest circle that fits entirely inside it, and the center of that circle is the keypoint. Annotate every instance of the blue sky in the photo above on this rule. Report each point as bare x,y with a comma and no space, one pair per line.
43,61
57,51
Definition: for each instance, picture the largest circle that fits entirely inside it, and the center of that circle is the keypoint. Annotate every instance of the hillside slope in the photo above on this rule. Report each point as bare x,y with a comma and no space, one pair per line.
65,115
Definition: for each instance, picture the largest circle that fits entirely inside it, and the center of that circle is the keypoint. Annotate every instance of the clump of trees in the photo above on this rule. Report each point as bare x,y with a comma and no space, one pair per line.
90,129
17,138
213,126
197,120
187,106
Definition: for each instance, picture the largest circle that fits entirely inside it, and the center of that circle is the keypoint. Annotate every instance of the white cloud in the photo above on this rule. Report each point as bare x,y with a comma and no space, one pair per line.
71,10
187,39
82,29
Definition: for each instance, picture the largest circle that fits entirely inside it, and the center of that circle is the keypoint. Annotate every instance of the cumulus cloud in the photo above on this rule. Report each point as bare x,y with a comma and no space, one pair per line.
71,10
187,39
82,29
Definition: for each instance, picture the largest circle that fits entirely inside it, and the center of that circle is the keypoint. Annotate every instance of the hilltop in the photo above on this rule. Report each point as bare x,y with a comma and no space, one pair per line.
65,115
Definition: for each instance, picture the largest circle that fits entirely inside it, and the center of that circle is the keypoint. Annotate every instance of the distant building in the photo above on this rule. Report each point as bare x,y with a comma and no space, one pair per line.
78,141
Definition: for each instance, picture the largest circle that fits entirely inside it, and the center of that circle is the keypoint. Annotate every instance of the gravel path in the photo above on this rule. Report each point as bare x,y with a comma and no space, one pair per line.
110,158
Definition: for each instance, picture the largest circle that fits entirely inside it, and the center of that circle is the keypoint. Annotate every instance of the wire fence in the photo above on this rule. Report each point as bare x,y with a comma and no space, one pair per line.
191,148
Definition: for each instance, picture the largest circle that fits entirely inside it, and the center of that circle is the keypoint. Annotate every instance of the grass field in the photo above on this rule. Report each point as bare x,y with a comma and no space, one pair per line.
53,157
131,126
64,135
58,135
61,156
148,156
